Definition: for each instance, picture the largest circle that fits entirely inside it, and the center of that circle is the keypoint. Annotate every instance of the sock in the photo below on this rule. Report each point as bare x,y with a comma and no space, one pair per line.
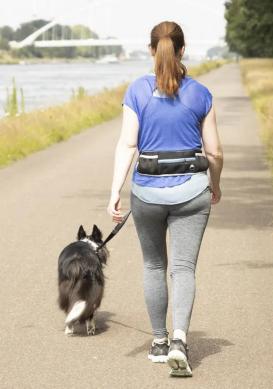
160,340
180,334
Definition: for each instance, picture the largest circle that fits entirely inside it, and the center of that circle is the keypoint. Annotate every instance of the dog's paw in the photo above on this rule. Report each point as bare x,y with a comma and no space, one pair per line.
69,331
90,327
91,331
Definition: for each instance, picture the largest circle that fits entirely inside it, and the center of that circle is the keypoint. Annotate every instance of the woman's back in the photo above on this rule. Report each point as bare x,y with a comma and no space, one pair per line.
167,123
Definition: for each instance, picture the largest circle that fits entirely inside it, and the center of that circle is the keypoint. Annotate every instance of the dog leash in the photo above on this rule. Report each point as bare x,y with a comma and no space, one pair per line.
115,231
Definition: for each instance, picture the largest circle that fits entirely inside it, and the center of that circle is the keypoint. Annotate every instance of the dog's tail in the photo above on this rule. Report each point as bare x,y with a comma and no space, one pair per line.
75,286
76,312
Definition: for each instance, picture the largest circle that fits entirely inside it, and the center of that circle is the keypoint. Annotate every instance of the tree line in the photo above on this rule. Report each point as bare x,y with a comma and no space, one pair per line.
8,34
249,30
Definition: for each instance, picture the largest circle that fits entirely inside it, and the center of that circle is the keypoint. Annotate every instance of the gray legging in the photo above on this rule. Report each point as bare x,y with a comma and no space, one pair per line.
187,222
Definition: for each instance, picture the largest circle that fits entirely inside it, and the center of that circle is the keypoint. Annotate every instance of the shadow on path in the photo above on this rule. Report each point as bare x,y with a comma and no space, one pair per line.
200,347
102,320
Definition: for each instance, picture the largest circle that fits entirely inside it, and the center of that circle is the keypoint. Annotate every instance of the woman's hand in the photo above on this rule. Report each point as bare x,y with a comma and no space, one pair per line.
114,207
124,154
214,152
216,194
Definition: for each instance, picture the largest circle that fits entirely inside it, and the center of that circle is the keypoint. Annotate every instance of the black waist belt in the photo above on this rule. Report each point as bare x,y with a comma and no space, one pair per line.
171,163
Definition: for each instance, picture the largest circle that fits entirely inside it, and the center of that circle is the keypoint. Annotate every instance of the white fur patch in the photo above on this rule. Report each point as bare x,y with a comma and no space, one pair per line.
69,330
76,311
92,244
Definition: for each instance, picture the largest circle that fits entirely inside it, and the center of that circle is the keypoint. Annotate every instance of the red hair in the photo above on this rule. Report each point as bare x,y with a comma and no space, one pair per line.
167,39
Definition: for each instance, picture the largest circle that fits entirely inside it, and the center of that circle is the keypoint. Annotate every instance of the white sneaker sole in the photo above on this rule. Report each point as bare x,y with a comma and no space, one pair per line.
179,364
158,358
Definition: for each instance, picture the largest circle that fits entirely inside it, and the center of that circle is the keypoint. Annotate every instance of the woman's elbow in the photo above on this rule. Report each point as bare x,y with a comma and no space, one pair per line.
215,154
125,145
131,146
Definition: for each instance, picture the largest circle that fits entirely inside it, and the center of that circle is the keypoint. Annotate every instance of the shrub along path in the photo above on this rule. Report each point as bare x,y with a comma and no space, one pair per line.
43,200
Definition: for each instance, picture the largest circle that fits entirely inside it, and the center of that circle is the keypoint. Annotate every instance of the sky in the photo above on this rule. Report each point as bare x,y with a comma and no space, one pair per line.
202,21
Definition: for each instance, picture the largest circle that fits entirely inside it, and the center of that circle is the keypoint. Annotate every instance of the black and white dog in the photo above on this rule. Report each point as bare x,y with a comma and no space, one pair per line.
81,279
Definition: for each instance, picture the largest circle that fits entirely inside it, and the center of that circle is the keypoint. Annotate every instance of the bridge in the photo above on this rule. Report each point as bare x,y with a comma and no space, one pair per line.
31,40
35,40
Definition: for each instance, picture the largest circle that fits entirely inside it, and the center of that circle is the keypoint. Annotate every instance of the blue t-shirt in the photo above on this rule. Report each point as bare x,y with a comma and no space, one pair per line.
167,123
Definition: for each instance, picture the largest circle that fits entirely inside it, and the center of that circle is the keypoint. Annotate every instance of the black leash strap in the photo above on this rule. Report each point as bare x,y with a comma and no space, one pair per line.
115,230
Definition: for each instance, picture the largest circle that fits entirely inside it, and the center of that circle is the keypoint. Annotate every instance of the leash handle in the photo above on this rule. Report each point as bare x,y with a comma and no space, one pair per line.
119,225
115,230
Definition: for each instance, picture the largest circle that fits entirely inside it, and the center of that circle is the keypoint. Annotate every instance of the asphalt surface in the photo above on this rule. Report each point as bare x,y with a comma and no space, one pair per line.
43,200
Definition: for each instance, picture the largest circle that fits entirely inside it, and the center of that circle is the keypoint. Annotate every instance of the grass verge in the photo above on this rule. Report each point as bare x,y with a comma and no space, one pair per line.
257,75
205,67
7,59
36,130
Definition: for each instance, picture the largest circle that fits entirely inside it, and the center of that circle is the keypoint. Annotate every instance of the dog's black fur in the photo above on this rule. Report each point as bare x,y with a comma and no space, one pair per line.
80,275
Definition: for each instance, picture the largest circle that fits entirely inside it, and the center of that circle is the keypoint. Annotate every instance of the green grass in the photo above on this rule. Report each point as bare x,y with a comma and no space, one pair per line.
206,67
33,131
257,75
7,59
29,132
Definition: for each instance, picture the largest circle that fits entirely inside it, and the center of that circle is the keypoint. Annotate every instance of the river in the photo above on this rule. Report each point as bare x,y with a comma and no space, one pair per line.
52,83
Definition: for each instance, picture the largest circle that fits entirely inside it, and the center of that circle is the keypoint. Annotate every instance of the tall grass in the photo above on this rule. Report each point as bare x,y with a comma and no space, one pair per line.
79,93
7,59
29,132
257,75
13,100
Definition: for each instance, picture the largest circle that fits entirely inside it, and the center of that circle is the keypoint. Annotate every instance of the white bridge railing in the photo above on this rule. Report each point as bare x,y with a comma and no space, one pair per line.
75,42
31,40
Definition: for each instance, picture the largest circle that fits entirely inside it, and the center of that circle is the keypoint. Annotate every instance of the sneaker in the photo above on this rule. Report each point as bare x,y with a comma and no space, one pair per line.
178,359
159,351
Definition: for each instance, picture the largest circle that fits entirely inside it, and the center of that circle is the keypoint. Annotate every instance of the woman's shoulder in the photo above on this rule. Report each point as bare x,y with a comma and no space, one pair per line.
141,88
138,93
142,81
194,85
196,96
147,81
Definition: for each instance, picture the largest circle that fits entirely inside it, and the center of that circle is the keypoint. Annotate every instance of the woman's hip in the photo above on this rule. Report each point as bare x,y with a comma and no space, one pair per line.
199,204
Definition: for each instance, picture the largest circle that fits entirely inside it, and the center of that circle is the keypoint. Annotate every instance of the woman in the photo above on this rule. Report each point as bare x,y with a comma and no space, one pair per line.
168,111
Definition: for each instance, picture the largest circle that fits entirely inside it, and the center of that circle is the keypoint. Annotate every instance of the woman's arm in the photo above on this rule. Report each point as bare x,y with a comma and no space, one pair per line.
124,155
214,152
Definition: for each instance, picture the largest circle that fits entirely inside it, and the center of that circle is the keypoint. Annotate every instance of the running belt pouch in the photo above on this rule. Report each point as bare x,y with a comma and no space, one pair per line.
171,162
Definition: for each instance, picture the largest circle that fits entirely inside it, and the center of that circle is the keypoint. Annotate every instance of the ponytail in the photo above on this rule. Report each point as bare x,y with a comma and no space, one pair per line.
168,68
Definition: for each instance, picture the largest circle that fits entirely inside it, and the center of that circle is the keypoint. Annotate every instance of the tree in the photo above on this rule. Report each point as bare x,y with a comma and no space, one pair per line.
23,31
6,35
218,52
6,32
28,28
249,30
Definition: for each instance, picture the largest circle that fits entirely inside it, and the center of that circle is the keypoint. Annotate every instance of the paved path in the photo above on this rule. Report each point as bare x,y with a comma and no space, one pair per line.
43,200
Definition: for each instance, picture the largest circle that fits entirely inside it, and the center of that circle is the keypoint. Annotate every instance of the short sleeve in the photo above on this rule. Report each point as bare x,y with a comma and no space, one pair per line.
130,98
207,101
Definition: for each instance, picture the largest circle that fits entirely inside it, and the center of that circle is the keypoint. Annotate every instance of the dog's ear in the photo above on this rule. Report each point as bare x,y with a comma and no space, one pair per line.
81,233
96,234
